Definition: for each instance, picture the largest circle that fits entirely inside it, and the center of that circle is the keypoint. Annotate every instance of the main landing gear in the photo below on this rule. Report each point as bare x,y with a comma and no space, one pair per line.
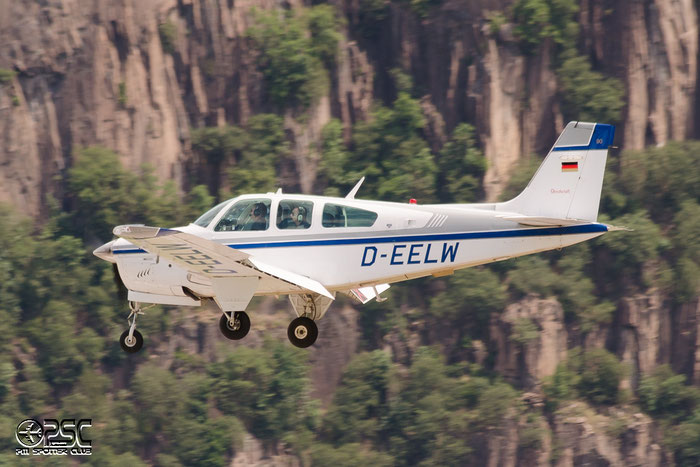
234,325
302,332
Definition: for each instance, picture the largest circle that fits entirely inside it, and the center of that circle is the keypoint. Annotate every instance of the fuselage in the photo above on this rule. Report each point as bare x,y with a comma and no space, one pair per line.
348,243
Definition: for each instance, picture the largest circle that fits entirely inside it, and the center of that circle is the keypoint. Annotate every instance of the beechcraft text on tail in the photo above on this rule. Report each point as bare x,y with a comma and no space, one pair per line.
313,247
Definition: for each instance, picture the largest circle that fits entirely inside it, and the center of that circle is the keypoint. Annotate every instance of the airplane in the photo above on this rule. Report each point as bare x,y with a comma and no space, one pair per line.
313,247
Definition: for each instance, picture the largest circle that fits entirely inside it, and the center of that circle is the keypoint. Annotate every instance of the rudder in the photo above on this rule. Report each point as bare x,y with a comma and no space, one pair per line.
568,183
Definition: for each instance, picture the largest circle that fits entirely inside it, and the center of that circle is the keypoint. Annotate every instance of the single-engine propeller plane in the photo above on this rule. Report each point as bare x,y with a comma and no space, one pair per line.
313,247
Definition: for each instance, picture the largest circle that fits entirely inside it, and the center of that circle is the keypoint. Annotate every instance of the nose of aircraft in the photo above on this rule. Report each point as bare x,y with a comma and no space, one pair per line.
105,252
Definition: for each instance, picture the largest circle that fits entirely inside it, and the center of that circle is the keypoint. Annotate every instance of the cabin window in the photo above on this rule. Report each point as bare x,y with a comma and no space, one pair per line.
294,214
205,219
335,215
246,214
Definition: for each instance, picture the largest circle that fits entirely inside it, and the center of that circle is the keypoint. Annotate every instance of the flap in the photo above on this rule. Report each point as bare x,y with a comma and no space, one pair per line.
365,294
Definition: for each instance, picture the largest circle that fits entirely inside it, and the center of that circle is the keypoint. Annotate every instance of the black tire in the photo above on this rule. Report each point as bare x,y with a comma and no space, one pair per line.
135,345
302,332
235,333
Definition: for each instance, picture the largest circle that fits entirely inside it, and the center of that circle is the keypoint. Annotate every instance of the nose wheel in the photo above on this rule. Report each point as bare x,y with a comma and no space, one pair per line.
302,332
131,340
234,325
131,343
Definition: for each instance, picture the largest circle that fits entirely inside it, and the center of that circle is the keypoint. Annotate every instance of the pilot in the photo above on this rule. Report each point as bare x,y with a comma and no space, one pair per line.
258,218
296,220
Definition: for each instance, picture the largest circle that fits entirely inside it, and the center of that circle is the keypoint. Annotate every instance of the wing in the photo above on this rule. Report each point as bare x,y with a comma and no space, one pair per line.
211,259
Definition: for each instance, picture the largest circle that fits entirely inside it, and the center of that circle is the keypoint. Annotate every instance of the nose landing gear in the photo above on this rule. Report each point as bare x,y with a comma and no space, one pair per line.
131,340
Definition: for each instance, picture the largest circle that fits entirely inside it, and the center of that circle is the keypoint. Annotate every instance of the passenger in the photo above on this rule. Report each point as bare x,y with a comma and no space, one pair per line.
296,220
258,218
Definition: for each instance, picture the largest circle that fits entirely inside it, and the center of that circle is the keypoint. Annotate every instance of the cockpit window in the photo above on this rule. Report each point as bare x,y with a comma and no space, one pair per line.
335,215
246,214
292,214
205,219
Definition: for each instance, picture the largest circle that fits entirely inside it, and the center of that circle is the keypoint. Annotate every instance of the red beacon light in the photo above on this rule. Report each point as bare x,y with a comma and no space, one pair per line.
412,201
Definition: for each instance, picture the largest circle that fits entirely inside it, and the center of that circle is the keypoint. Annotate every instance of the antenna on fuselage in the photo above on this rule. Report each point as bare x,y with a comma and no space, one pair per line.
279,191
353,192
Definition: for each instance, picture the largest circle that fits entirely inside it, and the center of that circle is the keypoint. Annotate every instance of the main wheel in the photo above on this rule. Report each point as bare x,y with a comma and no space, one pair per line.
302,332
133,344
237,329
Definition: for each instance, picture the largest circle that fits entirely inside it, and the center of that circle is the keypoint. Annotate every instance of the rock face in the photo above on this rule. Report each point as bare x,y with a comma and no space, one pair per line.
526,360
589,438
655,54
98,73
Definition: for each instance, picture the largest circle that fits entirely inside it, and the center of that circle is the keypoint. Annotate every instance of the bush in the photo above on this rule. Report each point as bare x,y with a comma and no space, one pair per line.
665,394
6,75
684,439
461,167
536,20
586,94
360,403
292,50
601,373
594,375
168,36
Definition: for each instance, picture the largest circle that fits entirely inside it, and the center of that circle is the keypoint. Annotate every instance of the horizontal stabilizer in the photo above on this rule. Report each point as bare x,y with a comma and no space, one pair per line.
614,228
365,294
543,221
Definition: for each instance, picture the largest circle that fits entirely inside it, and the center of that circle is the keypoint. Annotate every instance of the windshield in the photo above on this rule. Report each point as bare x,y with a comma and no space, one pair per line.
206,218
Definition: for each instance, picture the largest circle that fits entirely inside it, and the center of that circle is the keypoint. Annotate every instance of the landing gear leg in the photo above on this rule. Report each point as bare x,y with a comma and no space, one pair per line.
131,340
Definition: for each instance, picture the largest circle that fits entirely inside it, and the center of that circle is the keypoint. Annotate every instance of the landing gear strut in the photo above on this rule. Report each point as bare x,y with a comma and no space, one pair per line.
234,325
131,340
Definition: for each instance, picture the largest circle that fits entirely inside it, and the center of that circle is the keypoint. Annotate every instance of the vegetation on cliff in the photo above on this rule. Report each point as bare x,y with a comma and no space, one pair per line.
60,312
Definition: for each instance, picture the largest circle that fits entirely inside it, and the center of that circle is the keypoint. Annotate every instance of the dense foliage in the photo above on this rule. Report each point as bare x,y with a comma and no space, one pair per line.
428,404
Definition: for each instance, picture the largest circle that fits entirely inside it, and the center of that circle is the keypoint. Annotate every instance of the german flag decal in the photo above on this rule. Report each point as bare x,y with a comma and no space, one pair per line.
569,166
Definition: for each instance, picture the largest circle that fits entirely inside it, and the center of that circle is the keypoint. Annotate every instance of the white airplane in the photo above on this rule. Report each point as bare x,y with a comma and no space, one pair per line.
312,247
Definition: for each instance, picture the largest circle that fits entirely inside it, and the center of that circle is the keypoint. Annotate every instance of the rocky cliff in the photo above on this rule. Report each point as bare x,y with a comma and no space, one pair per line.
98,73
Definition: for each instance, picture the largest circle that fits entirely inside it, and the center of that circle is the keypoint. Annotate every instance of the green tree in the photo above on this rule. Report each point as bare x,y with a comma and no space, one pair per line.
665,394
361,402
601,373
468,300
266,389
217,145
684,439
461,167
586,94
265,147
536,20
389,150
292,49
349,455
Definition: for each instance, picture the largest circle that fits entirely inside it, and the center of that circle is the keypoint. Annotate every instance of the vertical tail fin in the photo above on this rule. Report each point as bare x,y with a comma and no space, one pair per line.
568,183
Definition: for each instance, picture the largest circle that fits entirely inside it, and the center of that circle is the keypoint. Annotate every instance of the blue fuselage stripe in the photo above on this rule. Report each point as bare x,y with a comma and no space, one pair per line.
535,232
